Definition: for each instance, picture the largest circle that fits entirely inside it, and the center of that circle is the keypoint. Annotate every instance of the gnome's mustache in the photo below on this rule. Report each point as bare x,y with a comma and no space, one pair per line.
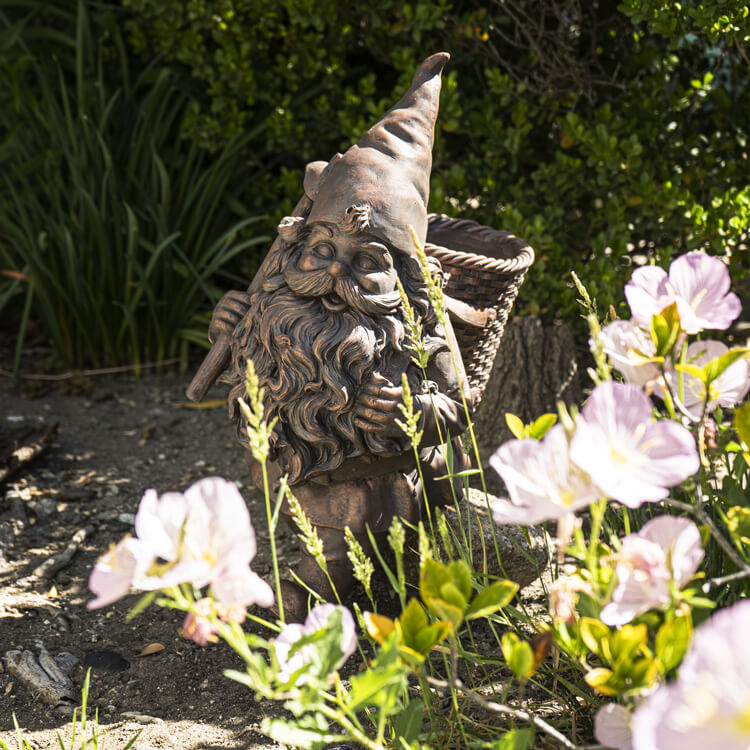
322,284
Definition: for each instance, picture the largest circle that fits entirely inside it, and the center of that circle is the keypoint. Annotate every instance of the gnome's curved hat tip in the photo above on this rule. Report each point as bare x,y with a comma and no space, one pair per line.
431,67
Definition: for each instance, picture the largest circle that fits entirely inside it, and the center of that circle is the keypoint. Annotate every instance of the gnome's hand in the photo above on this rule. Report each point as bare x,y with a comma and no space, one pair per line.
377,407
228,312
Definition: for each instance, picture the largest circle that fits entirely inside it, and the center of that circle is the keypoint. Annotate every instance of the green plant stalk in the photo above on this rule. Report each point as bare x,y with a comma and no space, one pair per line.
597,514
272,539
345,722
475,448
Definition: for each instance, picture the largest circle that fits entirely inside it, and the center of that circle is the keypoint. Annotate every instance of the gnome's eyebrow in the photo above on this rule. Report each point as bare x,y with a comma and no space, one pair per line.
320,227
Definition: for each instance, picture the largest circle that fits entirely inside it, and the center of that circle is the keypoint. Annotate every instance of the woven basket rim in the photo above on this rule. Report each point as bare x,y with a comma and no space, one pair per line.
522,259
521,262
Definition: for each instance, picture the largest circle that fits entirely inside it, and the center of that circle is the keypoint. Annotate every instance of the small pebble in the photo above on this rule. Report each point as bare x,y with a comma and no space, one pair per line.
126,518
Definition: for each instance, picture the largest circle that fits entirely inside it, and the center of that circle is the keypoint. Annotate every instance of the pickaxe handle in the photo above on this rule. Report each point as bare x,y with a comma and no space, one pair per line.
218,357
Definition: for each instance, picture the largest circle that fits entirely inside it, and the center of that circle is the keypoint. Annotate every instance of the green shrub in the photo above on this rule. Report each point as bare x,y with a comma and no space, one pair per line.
122,228
597,132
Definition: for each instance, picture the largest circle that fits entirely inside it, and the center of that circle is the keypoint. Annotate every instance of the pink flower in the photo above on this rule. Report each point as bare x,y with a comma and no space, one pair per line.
201,530
541,481
708,706
235,588
664,554
612,727
628,455
202,536
727,390
698,283
563,597
317,620
115,571
199,625
625,344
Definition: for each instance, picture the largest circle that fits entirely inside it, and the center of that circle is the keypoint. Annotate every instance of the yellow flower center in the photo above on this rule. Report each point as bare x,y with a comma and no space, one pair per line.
741,721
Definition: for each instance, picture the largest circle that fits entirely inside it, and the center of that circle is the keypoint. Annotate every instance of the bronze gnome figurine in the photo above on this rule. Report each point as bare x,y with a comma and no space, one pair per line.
323,324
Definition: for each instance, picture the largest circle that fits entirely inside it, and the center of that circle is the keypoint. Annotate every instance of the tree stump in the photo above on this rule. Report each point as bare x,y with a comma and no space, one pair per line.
535,368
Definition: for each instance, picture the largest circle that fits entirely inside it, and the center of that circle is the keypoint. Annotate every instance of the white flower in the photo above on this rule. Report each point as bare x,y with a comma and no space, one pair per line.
708,706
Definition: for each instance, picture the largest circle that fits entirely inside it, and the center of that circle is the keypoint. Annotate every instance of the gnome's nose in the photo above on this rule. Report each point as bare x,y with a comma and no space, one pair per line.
338,269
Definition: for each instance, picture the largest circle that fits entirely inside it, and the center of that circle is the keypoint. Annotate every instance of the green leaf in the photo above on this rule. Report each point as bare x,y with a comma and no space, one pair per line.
382,683
665,328
311,731
496,596
742,424
516,739
627,641
672,641
600,679
694,370
379,627
434,575
714,368
426,638
538,429
738,523
518,654
408,722
449,593
515,425
445,610
461,574
640,672
412,620
594,633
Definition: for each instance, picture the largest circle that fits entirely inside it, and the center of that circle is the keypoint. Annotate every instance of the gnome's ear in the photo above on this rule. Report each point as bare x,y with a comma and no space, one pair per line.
315,174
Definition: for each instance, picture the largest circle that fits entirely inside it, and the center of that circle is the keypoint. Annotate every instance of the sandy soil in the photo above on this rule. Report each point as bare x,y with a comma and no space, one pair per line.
118,436
114,441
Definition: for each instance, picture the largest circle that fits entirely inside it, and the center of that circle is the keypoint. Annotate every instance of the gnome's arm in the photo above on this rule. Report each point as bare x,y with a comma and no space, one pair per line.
441,407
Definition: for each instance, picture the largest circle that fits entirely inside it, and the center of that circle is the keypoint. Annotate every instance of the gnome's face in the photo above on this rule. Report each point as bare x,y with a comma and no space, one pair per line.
346,268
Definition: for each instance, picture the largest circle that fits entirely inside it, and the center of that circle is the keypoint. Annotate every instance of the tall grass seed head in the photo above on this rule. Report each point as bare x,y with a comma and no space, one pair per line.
414,330
362,565
308,533
411,418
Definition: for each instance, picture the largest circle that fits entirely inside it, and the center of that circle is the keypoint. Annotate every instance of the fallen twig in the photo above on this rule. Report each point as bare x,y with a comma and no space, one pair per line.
49,567
27,453
500,708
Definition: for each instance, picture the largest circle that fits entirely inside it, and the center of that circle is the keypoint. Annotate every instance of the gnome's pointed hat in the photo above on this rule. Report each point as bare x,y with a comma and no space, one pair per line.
389,169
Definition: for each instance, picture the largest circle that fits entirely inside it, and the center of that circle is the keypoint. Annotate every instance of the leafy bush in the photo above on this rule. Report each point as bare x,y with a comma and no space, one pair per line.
121,229
601,134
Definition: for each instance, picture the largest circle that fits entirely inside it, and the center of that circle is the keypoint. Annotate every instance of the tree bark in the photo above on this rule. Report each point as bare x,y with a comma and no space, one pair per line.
535,367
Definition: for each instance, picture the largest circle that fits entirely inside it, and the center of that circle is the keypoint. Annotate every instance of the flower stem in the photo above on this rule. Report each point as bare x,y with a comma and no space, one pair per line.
272,537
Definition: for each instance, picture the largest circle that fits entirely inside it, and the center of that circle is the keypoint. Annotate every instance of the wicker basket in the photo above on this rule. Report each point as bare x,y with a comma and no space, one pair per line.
486,268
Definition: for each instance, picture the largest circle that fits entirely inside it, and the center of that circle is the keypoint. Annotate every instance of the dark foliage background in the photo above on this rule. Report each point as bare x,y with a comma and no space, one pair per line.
603,133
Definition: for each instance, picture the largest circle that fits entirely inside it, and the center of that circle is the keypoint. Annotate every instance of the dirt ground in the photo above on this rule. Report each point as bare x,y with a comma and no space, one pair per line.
117,436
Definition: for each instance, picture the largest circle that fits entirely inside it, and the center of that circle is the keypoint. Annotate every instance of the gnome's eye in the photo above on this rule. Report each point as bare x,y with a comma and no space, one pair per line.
324,250
366,263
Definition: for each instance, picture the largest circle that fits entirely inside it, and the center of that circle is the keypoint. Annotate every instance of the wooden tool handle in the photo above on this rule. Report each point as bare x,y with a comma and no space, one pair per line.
213,365
218,357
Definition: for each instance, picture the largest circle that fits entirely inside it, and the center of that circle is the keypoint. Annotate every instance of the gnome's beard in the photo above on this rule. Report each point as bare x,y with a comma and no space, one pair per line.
312,362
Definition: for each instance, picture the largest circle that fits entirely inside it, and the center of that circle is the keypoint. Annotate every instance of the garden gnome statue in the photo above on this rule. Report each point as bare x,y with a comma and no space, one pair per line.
324,325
